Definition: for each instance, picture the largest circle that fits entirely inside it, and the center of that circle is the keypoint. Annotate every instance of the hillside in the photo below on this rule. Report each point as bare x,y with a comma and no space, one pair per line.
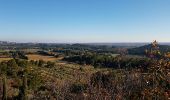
141,50
81,72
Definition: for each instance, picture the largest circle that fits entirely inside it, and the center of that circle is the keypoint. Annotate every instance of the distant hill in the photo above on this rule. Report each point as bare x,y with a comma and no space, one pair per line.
6,42
141,50
3,42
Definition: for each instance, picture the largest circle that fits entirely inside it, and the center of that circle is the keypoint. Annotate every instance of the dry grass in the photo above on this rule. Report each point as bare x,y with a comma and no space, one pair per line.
30,50
168,55
5,59
41,57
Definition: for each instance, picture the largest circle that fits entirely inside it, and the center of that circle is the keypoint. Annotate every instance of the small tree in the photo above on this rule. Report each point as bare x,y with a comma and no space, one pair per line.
4,97
23,89
12,68
158,72
3,69
50,64
41,63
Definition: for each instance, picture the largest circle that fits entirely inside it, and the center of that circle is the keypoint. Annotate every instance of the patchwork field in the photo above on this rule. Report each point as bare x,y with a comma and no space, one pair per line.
5,59
41,57
30,50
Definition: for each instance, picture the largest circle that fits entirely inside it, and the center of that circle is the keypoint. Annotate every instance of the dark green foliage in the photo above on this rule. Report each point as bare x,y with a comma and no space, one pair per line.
141,50
32,62
21,63
4,97
23,89
12,68
3,68
34,81
41,63
3,73
109,61
101,80
19,54
78,88
50,64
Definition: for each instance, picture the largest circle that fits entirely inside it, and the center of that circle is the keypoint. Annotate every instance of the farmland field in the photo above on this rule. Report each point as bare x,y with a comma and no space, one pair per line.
41,57
5,59
30,50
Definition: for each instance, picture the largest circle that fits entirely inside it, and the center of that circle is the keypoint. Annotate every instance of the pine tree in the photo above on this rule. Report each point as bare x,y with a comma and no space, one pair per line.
23,89
4,97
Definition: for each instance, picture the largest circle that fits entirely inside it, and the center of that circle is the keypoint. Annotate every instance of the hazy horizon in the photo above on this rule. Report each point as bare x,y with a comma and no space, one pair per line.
84,21
100,43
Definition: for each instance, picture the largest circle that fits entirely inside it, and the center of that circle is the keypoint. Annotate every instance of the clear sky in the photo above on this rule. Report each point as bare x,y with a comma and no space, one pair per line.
85,20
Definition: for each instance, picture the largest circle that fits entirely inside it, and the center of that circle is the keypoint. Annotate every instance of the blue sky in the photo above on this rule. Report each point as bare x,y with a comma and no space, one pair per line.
85,20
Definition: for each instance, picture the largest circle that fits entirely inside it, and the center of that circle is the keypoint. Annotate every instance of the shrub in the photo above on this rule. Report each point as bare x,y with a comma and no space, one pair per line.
78,88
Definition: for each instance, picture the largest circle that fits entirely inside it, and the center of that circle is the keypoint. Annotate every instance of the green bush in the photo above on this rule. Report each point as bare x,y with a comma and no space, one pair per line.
78,88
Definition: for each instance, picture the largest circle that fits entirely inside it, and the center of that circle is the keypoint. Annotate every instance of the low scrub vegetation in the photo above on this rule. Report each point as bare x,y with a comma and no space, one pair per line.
87,76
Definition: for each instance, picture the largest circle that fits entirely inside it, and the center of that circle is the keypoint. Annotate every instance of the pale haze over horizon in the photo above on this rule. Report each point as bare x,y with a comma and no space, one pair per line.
84,21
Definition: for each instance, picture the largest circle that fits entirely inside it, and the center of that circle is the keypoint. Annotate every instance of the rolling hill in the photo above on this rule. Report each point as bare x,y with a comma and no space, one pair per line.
141,50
